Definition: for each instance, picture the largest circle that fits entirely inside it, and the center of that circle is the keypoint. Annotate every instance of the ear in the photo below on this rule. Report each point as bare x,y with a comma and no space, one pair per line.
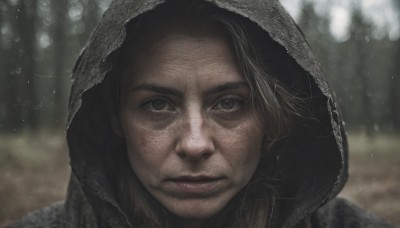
116,125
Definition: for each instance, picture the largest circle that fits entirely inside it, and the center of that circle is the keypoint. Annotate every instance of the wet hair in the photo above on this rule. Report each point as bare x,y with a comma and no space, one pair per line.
275,104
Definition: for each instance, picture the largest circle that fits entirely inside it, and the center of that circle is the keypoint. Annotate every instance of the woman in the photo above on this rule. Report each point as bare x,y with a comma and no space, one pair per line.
202,114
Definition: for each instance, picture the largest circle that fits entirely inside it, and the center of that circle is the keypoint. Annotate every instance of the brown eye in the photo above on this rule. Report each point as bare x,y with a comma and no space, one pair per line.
158,104
229,104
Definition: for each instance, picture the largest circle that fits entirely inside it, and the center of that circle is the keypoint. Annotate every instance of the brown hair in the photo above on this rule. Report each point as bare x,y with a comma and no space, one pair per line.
275,105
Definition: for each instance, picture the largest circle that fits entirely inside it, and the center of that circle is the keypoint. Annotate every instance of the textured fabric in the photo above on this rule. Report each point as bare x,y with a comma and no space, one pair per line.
341,213
315,157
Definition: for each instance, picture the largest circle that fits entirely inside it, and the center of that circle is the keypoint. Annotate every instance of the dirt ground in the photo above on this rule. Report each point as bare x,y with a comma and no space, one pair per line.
34,172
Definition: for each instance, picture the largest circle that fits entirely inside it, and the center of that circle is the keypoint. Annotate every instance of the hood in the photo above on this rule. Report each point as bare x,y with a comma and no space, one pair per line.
315,155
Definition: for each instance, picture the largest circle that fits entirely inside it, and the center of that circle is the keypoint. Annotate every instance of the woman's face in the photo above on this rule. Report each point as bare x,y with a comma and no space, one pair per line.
192,136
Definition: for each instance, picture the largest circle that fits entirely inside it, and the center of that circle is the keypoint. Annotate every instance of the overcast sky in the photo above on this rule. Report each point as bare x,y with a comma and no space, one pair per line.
380,12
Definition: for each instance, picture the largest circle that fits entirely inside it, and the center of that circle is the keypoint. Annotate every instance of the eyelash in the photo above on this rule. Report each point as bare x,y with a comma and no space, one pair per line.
149,105
168,106
239,103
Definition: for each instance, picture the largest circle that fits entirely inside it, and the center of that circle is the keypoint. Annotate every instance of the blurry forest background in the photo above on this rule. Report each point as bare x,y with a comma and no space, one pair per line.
357,41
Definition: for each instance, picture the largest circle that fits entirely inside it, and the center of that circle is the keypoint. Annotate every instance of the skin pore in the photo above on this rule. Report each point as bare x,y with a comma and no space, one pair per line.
192,137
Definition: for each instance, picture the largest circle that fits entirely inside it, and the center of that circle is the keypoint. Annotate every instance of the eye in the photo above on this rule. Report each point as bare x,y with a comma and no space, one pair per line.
157,105
229,104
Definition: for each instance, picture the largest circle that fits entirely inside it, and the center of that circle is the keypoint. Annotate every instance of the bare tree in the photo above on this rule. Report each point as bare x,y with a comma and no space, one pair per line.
19,66
394,84
90,18
60,40
26,24
359,31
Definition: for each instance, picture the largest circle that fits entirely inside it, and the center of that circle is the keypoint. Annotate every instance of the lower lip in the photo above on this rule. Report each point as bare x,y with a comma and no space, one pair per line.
196,187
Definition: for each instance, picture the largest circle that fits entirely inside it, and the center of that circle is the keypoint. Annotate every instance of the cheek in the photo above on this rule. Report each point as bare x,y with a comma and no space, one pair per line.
147,149
241,148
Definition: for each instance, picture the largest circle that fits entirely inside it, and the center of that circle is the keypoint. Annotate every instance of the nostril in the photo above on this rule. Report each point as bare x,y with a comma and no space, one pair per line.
187,155
181,154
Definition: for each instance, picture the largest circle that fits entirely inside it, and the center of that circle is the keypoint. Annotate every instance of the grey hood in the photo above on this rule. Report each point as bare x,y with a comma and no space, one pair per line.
315,158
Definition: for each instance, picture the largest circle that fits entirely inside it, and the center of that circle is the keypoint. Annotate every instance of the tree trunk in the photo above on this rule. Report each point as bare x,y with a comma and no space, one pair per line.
60,9
26,15
91,16
12,74
360,30
2,73
394,86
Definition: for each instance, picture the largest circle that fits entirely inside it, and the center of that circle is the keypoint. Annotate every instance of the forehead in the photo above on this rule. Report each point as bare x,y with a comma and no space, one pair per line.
179,53
148,35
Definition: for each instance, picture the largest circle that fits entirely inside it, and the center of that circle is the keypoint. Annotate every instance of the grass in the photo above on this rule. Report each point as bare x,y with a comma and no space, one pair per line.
34,172
374,182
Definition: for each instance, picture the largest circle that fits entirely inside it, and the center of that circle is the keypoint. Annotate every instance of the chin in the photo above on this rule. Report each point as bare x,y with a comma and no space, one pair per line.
196,209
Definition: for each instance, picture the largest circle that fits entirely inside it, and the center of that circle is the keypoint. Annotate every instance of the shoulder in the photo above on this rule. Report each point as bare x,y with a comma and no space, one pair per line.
51,216
341,213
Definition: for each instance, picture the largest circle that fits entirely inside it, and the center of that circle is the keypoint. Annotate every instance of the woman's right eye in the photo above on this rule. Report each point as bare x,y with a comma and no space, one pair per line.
157,105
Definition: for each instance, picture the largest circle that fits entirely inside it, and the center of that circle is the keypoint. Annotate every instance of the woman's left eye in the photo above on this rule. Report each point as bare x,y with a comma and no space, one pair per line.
229,104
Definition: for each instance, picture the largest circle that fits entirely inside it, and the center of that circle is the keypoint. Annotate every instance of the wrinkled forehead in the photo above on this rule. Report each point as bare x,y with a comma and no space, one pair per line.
179,56
149,37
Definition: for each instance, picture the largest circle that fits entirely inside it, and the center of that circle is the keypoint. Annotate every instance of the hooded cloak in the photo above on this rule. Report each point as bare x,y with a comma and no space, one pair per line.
315,158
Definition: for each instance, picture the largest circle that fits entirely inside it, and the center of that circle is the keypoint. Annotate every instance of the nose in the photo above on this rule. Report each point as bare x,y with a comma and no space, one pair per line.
195,141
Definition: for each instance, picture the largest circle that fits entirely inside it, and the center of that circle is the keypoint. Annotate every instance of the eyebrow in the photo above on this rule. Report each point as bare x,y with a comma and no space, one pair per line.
226,87
174,92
